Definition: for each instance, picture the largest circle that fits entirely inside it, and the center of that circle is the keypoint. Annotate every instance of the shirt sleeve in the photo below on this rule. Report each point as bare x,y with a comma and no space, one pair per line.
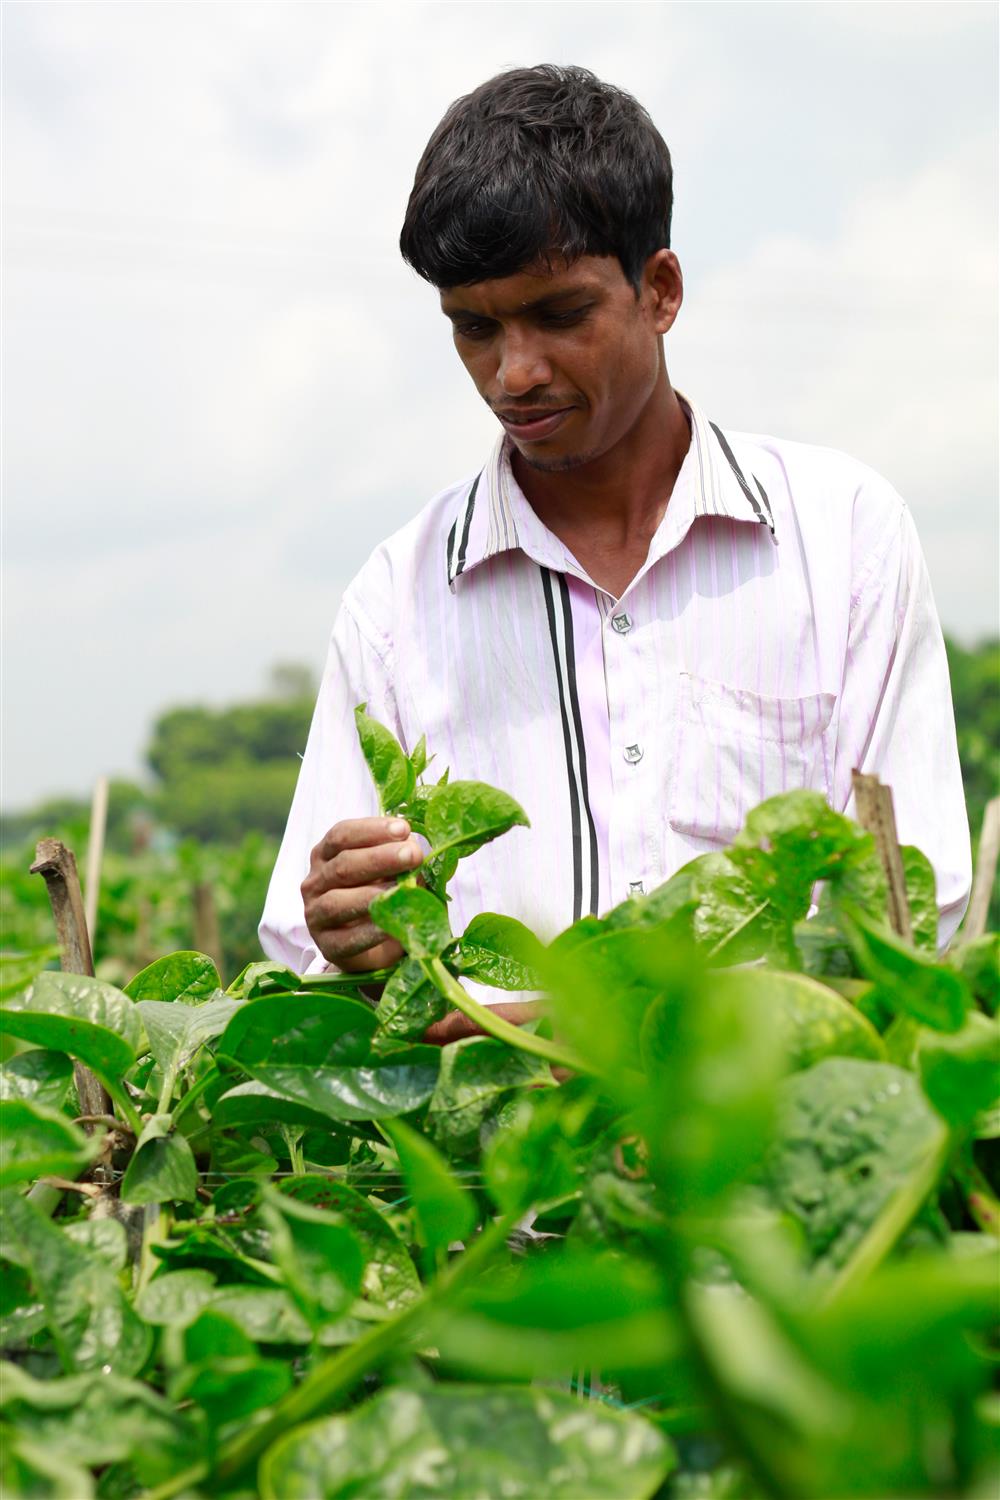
334,782
897,719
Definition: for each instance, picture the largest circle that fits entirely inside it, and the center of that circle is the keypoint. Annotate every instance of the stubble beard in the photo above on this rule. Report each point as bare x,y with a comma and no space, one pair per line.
563,465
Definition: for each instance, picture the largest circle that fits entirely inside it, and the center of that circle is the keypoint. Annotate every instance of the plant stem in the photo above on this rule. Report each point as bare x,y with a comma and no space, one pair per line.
194,1093
979,1196
118,1093
496,1026
167,1091
336,1375
155,1230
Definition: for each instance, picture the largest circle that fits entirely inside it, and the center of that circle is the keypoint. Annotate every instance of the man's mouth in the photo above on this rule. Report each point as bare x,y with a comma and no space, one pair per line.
529,426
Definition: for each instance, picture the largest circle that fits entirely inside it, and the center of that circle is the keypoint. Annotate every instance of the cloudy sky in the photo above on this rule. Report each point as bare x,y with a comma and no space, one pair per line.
222,388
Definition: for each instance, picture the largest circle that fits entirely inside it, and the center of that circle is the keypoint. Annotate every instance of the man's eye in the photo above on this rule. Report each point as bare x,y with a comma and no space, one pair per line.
566,319
473,330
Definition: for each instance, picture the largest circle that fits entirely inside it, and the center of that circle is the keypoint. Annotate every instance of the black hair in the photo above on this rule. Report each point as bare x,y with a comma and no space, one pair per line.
538,163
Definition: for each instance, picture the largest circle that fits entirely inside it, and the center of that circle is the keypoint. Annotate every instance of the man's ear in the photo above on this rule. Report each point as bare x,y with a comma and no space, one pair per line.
663,288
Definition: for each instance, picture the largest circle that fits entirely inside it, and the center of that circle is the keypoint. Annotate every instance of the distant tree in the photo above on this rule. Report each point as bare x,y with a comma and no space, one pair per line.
226,772
975,685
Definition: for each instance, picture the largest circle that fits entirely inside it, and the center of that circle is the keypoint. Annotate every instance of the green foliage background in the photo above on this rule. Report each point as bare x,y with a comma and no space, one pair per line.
222,782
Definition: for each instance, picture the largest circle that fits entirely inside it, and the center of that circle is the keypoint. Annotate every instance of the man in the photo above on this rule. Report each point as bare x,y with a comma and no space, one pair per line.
636,623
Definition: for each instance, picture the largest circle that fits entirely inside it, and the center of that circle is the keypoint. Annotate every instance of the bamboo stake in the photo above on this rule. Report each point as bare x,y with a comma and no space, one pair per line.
57,867
986,868
95,853
207,939
875,813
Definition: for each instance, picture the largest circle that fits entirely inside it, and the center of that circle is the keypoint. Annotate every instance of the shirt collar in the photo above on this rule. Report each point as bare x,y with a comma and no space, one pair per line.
494,516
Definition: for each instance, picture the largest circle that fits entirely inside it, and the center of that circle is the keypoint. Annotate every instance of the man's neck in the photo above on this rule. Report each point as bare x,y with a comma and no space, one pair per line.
606,512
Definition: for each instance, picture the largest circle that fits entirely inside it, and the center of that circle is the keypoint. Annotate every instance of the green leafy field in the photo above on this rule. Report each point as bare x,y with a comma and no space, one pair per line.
746,1245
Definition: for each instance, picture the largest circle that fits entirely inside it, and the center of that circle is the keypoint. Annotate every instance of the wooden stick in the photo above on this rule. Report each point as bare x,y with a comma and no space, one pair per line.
206,923
986,868
95,852
57,866
875,813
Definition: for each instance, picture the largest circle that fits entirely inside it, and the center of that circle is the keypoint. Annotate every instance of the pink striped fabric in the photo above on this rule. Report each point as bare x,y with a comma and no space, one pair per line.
781,632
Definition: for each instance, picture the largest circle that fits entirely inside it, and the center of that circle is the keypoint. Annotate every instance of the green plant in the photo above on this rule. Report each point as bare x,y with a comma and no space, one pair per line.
312,1256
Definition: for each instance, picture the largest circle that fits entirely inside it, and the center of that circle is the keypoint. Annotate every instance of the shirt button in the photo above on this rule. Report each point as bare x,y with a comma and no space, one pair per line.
622,623
636,888
633,754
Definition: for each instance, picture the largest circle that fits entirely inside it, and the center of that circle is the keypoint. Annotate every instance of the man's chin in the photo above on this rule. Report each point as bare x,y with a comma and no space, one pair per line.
561,463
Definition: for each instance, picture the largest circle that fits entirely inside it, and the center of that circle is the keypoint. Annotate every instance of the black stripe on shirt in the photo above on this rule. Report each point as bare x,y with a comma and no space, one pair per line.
585,862
470,505
574,699
765,520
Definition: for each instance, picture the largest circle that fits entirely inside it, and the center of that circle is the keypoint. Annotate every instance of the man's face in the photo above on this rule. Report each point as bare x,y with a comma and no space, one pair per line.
567,359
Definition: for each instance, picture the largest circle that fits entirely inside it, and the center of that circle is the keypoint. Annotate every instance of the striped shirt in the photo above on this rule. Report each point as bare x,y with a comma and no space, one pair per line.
781,632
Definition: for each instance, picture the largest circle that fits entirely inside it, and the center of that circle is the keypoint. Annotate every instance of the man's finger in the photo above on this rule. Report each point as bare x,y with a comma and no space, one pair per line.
330,909
349,942
351,868
382,956
360,833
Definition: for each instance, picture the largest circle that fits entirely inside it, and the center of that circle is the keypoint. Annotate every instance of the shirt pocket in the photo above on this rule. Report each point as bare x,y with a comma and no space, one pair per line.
735,748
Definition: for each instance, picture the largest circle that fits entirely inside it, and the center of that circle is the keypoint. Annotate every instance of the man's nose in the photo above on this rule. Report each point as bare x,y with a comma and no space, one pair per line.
523,365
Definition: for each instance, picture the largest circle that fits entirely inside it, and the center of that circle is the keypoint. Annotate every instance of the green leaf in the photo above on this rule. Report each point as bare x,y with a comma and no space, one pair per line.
36,1141
418,759
415,918
39,1076
223,1373
857,1153
91,1322
713,1055
735,922
410,1003
252,1104
31,1471
21,1313
162,1169
98,1419
751,897
444,1211
567,1309
176,1032
536,1155
175,1297
791,841
186,977
299,1029
394,1085
979,964
476,1075
467,1442
390,1277
500,951
463,815
267,1315
18,970
921,894
961,1072
391,771
263,974
813,1020
105,1238
320,1258
931,993
72,1013
602,981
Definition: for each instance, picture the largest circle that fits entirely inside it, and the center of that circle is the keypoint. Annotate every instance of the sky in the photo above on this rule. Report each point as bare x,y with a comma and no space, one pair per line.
222,388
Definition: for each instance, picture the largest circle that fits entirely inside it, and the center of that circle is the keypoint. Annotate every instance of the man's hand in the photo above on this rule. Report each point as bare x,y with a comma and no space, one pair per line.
351,865
456,1026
